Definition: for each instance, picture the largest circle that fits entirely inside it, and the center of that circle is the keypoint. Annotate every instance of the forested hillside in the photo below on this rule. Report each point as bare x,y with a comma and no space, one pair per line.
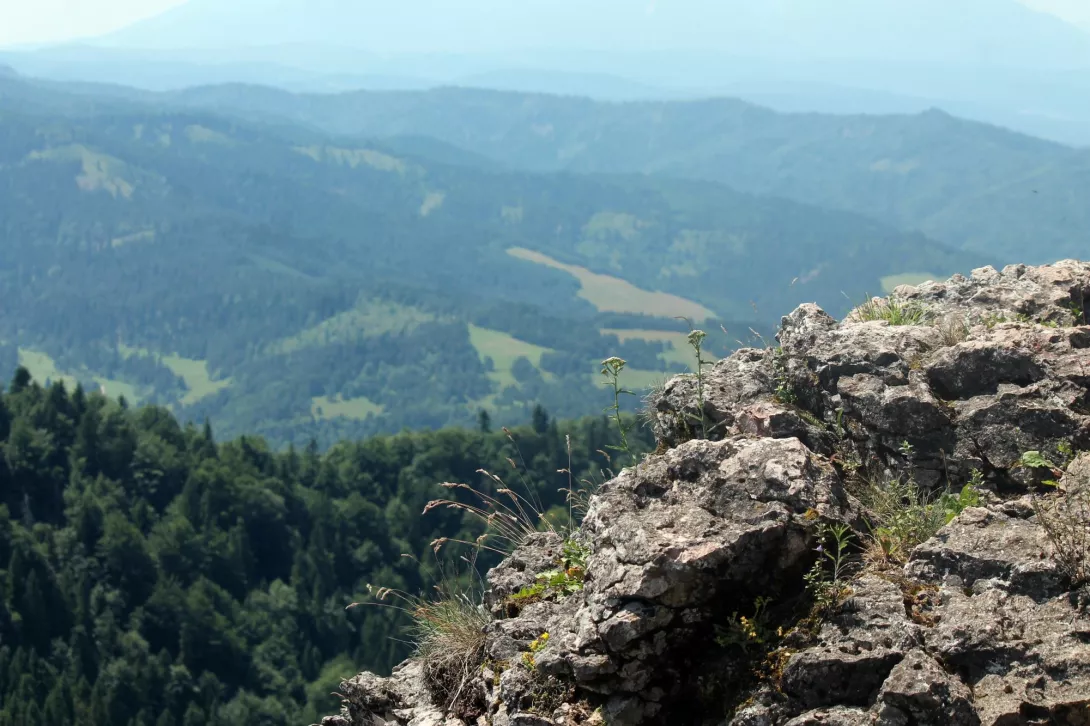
150,576
970,185
291,284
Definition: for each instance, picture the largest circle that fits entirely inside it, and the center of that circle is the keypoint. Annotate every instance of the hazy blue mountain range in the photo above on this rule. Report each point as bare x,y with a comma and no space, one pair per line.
970,185
990,60
293,283
973,186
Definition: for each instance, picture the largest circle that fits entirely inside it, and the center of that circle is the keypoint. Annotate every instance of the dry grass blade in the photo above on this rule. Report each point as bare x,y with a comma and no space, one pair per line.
448,633
509,516
953,329
1066,521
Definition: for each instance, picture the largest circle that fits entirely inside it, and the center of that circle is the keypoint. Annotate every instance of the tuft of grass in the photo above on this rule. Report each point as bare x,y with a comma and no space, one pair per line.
448,633
952,328
509,517
990,320
891,310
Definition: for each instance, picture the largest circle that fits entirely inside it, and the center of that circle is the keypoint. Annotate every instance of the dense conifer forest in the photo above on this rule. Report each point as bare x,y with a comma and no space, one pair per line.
152,576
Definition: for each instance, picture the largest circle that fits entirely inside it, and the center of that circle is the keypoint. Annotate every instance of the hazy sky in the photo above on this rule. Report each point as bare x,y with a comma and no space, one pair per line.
43,21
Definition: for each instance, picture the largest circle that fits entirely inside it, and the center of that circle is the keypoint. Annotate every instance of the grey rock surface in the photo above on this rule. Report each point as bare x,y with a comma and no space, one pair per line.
978,625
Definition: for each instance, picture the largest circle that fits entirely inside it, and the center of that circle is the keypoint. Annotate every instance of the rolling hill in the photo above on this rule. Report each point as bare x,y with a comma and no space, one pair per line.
287,282
973,186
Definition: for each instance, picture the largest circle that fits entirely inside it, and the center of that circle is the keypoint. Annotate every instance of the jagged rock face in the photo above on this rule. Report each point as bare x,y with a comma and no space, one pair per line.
975,398
679,539
978,626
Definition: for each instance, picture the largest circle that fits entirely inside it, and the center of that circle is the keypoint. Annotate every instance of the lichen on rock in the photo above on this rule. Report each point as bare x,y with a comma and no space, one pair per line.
980,624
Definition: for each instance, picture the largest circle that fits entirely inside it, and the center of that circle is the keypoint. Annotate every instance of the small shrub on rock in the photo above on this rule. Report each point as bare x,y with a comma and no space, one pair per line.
1066,519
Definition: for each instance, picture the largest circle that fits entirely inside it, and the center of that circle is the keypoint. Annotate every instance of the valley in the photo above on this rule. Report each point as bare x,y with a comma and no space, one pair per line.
302,284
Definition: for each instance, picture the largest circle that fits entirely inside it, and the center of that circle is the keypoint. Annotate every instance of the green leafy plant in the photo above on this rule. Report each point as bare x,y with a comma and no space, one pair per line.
1037,460
1077,310
536,647
749,632
785,392
954,504
696,339
903,516
567,578
611,369
826,580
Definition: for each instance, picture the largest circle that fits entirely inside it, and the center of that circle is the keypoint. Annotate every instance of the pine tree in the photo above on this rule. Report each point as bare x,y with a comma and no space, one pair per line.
58,704
5,419
21,381
540,420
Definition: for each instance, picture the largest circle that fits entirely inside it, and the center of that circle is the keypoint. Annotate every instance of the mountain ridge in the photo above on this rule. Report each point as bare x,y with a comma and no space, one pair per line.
917,171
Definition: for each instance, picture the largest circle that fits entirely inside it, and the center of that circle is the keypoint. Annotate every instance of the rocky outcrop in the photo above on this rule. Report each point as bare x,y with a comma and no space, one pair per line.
695,607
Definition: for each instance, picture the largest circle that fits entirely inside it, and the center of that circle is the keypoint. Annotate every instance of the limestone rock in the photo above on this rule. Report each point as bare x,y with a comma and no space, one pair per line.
980,626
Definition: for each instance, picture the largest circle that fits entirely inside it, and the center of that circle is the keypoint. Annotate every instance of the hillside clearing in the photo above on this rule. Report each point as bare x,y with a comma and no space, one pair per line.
43,368
892,282
194,373
504,350
614,295
681,352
